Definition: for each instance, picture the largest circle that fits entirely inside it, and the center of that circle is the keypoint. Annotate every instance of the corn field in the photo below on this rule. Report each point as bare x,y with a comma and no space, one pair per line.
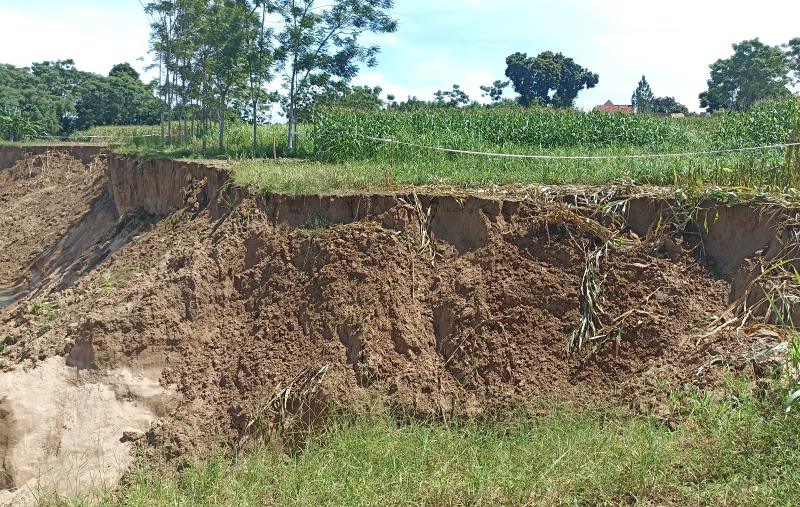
343,136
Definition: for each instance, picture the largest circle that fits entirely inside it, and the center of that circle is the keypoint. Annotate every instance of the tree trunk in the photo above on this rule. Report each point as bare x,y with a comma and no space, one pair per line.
161,94
222,123
292,114
255,126
204,123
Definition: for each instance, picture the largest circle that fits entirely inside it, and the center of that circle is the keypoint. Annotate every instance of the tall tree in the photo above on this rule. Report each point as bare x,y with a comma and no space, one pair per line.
456,97
61,79
794,58
550,79
259,62
228,32
495,90
361,98
667,105
318,45
123,69
642,99
756,71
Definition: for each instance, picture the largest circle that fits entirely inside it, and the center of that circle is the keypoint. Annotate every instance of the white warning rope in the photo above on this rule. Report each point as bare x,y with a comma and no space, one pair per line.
69,138
579,157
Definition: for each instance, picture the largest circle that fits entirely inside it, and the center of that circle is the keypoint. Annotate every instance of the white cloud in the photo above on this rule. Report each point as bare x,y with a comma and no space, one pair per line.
96,37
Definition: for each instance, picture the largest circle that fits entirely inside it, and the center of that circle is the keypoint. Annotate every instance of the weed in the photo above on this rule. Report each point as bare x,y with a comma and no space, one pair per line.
48,312
315,224
176,219
113,280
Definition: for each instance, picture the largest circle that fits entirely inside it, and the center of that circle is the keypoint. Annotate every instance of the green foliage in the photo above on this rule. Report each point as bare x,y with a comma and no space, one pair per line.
18,126
727,448
213,55
495,90
338,134
306,178
47,312
21,90
342,136
124,69
642,99
550,79
57,98
117,100
112,280
451,98
318,45
667,105
794,58
361,98
755,72
792,401
769,122
145,142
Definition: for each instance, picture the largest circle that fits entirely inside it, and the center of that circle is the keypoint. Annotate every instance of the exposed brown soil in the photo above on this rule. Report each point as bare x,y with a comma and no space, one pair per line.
40,198
243,315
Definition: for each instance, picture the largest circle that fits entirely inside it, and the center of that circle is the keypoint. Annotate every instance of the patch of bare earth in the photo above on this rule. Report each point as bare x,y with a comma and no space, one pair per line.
40,198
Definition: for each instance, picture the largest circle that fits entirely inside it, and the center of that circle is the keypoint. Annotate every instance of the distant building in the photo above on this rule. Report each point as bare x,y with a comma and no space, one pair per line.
610,107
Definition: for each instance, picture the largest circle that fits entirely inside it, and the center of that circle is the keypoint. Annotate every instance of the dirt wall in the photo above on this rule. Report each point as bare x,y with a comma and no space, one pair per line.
729,234
159,186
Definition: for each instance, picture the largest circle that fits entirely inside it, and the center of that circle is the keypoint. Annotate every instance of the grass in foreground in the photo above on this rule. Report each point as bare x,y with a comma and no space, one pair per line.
302,177
735,449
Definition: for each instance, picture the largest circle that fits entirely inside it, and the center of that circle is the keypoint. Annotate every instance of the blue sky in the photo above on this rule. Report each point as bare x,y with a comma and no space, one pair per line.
442,42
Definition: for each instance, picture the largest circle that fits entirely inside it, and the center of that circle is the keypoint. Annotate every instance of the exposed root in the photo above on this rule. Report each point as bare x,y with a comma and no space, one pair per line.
426,244
292,412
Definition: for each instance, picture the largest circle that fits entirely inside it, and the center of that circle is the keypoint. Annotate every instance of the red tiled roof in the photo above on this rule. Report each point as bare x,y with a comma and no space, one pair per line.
610,107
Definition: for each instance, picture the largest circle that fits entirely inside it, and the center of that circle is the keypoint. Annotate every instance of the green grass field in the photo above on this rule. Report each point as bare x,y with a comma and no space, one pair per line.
729,448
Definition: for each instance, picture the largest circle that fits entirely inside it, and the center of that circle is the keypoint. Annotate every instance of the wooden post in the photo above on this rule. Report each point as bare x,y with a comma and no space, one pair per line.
391,163
274,147
792,162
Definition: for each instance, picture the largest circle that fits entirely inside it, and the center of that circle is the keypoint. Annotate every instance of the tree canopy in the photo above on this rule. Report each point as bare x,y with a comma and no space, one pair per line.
642,99
124,69
794,58
318,45
61,99
668,105
454,97
217,54
495,90
755,72
550,79
360,98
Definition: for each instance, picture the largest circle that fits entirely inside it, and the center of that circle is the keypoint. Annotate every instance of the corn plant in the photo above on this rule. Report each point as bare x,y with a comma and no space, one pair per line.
402,141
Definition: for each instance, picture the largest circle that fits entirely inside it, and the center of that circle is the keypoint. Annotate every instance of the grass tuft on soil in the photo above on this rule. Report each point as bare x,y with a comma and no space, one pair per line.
731,448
